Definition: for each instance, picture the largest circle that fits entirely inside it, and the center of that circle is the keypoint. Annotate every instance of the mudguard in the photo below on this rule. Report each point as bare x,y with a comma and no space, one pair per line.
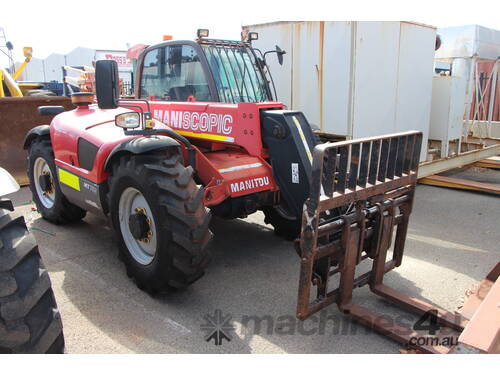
37,131
139,145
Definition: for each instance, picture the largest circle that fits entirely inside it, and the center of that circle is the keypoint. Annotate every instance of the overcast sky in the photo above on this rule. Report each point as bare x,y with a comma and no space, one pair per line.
59,26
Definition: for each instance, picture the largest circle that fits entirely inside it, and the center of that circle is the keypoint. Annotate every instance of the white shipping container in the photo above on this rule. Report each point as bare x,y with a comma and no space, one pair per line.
272,35
354,79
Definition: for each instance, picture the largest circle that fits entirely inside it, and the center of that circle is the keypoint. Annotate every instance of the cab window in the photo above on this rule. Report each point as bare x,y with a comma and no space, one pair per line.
174,73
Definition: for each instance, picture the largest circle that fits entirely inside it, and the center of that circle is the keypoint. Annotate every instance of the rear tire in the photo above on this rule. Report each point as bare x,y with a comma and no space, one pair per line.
29,319
171,251
53,207
284,226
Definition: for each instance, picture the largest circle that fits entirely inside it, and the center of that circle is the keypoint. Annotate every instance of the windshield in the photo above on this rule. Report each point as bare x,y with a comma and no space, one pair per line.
236,74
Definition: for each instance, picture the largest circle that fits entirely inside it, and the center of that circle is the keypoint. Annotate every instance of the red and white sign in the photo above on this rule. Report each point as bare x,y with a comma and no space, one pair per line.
119,56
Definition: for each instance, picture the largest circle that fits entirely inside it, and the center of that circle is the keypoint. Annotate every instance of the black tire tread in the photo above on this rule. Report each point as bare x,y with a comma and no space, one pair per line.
29,319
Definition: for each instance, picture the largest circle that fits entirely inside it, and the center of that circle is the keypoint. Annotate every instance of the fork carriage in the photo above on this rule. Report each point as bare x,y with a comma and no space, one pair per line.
372,180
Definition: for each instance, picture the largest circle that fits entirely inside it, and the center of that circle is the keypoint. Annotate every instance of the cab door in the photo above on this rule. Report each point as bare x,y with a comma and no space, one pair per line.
176,72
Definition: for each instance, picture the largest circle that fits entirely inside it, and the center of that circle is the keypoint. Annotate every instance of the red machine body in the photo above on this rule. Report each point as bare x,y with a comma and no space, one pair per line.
230,157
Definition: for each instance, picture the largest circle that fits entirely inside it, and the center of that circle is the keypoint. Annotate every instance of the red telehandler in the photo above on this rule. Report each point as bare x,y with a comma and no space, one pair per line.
206,136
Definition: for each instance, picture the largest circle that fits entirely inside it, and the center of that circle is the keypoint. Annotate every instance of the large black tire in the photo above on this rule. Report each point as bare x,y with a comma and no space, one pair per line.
285,227
177,210
29,320
62,211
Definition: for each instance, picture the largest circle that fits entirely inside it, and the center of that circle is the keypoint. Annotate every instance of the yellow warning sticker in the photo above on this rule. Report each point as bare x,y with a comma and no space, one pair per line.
214,137
69,179
303,138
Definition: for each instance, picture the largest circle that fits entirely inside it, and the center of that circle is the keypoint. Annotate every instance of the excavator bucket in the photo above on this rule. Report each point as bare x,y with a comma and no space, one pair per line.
358,211
18,115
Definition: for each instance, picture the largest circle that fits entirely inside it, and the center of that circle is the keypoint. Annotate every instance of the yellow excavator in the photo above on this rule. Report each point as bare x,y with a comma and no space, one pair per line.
10,87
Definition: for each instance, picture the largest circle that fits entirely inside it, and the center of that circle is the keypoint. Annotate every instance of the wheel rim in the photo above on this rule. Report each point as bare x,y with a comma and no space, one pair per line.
131,202
46,197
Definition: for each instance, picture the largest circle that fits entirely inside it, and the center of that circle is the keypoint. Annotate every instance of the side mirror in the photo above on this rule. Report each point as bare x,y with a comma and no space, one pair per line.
280,54
128,120
106,84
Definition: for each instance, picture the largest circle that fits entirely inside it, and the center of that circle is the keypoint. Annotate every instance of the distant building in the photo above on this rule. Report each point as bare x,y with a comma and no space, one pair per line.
50,68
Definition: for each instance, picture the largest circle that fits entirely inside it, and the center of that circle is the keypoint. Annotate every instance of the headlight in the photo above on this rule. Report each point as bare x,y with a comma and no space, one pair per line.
128,120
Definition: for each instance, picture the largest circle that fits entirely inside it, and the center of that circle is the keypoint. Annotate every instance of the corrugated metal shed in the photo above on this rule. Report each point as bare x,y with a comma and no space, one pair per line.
34,71
50,68
80,56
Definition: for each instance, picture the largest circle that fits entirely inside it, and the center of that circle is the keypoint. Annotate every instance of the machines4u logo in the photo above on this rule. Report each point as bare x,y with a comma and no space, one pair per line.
217,327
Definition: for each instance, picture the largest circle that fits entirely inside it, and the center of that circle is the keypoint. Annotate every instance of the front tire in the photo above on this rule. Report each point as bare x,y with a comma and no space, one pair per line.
285,225
29,320
44,185
162,226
